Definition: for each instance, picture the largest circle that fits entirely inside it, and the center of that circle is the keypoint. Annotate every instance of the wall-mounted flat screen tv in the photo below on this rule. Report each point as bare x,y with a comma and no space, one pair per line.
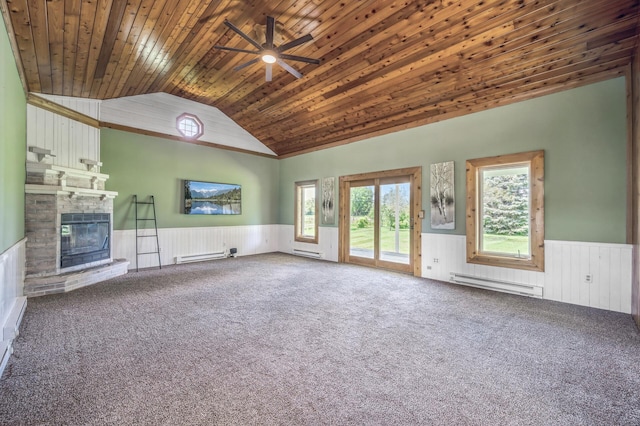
212,198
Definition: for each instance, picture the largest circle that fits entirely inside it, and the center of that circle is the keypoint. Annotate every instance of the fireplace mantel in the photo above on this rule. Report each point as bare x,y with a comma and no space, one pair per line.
52,191
57,180
67,190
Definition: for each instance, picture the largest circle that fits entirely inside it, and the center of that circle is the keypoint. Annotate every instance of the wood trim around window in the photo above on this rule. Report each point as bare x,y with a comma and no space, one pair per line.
298,227
535,159
415,174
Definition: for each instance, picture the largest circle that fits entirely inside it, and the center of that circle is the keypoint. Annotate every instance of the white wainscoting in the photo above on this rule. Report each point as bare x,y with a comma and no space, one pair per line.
250,239
12,264
567,264
68,140
327,242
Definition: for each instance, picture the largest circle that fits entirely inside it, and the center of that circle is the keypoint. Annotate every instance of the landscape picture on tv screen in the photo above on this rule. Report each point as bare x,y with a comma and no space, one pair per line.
212,198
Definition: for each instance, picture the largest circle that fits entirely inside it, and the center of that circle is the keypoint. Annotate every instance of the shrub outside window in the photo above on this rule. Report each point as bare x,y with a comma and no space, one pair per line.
306,214
505,211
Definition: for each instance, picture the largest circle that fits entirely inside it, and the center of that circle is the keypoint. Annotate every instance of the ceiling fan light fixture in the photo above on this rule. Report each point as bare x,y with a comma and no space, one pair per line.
269,57
268,49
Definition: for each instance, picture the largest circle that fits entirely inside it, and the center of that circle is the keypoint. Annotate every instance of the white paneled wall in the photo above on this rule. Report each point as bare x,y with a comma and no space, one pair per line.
564,280
327,242
68,140
11,278
567,265
157,112
251,239
12,302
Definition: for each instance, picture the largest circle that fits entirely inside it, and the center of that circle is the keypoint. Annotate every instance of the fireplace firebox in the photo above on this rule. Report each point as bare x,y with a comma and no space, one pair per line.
84,238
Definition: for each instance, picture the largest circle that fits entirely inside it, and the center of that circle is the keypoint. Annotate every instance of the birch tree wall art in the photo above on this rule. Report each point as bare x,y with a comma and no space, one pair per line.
443,212
328,195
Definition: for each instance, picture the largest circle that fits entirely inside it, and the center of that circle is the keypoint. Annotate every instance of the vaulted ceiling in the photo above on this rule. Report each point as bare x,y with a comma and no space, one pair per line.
384,65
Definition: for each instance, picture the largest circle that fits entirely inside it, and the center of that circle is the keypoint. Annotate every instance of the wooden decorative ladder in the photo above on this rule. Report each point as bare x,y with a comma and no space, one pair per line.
142,220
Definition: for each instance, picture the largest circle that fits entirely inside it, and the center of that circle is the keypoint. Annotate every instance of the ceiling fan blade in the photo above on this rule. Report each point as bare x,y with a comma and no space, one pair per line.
269,70
246,64
295,43
233,49
289,68
271,25
243,35
300,59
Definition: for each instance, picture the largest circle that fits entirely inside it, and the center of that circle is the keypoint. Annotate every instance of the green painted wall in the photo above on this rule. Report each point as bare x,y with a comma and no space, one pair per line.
146,165
13,116
583,133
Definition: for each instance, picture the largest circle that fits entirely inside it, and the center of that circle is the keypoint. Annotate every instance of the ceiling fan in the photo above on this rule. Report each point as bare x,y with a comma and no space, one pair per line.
269,53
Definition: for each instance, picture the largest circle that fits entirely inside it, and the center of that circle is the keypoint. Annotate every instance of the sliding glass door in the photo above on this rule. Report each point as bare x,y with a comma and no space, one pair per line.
395,221
381,225
362,235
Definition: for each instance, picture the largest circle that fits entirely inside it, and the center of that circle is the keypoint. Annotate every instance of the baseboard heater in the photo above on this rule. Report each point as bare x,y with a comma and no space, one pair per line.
11,330
497,285
11,327
5,353
200,257
307,253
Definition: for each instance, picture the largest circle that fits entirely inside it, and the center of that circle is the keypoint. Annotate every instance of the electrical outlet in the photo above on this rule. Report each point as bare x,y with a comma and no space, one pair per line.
588,278
429,267
435,260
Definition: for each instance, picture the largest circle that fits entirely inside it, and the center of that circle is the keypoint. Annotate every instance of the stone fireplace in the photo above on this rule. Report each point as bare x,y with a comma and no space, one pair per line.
69,229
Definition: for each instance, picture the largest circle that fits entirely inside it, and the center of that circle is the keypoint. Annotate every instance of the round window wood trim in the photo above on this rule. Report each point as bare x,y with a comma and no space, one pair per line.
185,130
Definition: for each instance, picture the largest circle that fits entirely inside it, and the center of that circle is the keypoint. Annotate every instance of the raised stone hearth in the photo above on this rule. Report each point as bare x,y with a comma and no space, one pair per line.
54,195
51,284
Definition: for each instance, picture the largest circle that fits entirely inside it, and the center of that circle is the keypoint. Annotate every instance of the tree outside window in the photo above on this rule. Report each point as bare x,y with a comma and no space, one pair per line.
306,211
505,211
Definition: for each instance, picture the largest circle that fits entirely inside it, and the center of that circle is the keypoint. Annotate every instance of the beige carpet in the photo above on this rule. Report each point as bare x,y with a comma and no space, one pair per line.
277,339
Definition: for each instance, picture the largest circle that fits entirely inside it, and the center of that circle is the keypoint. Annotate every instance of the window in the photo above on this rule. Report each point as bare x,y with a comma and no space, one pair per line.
306,216
505,211
190,126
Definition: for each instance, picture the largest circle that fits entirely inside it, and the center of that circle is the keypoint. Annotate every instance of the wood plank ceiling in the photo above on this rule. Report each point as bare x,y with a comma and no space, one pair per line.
385,65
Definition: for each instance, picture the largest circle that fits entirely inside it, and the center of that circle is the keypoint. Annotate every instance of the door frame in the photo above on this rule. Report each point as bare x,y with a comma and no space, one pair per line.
344,211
